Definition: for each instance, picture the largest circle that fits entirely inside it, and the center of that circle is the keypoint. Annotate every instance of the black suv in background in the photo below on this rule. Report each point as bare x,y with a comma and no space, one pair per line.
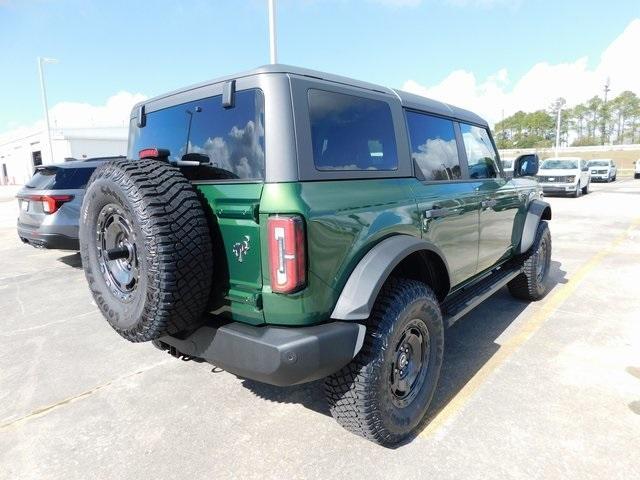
50,203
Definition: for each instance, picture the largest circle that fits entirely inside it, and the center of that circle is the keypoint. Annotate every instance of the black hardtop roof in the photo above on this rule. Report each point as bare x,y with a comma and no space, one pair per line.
409,100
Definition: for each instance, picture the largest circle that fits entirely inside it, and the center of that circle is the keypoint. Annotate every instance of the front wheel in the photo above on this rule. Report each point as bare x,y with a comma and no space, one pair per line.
384,393
578,191
585,189
532,283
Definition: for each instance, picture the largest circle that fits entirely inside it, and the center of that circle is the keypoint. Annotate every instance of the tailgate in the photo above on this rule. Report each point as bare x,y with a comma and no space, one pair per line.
236,245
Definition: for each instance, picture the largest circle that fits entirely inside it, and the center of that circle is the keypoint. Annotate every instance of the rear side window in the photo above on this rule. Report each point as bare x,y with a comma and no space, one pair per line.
60,178
351,133
433,146
481,156
228,142
43,179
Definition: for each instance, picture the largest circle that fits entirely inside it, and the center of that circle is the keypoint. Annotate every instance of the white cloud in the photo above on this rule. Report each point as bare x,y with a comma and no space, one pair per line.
543,83
114,113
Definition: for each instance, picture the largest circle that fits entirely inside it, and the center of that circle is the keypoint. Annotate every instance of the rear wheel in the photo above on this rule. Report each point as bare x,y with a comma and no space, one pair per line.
146,249
384,393
531,284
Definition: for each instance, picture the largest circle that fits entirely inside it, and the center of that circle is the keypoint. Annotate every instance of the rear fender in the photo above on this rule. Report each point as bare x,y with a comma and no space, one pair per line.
362,288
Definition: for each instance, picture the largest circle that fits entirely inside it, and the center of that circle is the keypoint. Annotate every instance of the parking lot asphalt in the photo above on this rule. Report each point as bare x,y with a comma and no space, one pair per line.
543,390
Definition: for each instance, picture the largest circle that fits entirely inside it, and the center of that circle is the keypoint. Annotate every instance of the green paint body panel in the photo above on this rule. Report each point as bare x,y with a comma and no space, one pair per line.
237,284
343,221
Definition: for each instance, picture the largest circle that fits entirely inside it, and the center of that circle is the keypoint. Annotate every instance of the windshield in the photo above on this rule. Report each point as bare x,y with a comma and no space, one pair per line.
560,164
599,163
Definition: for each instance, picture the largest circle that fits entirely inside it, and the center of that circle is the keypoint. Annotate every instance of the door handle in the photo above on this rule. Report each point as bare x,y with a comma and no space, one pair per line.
436,212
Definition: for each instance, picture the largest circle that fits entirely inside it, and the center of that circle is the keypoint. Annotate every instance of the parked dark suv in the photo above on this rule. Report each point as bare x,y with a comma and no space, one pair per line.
50,203
289,225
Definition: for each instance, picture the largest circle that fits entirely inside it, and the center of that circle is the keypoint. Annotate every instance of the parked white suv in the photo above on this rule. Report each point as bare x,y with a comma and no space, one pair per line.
636,172
507,166
565,175
603,169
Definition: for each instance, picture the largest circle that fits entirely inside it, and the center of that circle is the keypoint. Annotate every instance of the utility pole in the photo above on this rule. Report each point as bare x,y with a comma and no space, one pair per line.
559,104
604,110
43,92
273,48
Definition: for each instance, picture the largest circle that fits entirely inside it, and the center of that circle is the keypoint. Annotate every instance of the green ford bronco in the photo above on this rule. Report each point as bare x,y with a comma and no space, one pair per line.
288,225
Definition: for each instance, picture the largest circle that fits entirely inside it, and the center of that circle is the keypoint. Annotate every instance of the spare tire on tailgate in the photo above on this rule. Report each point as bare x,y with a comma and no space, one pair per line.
146,248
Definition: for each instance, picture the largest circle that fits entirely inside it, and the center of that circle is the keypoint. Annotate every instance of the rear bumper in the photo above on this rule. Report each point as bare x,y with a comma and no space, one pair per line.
39,239
276,355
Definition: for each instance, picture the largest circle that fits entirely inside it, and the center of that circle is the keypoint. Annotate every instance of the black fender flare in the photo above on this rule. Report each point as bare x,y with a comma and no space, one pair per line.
538,210
366,279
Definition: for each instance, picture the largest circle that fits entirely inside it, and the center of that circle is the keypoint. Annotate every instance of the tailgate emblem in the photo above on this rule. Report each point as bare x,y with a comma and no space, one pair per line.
240,249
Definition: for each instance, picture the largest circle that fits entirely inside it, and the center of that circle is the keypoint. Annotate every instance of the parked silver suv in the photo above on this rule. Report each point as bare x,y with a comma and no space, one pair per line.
603,170
49,204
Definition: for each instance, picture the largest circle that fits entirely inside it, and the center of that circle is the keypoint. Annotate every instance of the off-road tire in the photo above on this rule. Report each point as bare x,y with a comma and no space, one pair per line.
528,286
172,242
360,396
585,189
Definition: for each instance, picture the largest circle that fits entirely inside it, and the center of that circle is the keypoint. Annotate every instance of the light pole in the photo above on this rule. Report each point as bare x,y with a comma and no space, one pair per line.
273,48
43,91
559,103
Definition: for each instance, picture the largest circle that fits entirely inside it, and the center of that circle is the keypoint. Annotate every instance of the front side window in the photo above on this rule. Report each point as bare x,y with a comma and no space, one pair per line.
433,146
481,156
351,133
228,143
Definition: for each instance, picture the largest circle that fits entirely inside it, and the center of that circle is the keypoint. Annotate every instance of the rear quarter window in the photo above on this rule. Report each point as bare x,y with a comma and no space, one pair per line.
350,132
43,179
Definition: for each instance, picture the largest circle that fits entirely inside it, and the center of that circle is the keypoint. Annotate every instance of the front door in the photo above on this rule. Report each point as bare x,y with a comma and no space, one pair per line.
499,200
446,198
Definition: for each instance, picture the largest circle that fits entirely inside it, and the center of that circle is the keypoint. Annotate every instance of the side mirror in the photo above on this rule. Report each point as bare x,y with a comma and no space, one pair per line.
526,165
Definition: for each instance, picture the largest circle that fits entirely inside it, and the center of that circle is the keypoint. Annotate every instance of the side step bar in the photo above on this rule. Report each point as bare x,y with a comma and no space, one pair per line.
463,301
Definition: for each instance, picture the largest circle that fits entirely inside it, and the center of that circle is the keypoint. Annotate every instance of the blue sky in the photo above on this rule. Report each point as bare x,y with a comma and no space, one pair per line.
105,47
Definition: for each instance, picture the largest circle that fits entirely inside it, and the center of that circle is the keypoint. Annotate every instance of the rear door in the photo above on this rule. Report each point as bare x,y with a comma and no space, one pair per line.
499,199
220,149
446,198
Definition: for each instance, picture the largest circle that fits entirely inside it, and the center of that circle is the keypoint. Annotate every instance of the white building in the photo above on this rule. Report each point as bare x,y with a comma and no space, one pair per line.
21,151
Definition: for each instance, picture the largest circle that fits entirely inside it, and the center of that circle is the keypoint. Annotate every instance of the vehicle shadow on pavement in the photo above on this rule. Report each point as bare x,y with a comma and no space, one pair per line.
469,344
309,395
72,260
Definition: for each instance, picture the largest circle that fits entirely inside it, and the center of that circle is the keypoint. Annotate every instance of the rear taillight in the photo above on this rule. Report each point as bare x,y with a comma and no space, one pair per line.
51,203
287,256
